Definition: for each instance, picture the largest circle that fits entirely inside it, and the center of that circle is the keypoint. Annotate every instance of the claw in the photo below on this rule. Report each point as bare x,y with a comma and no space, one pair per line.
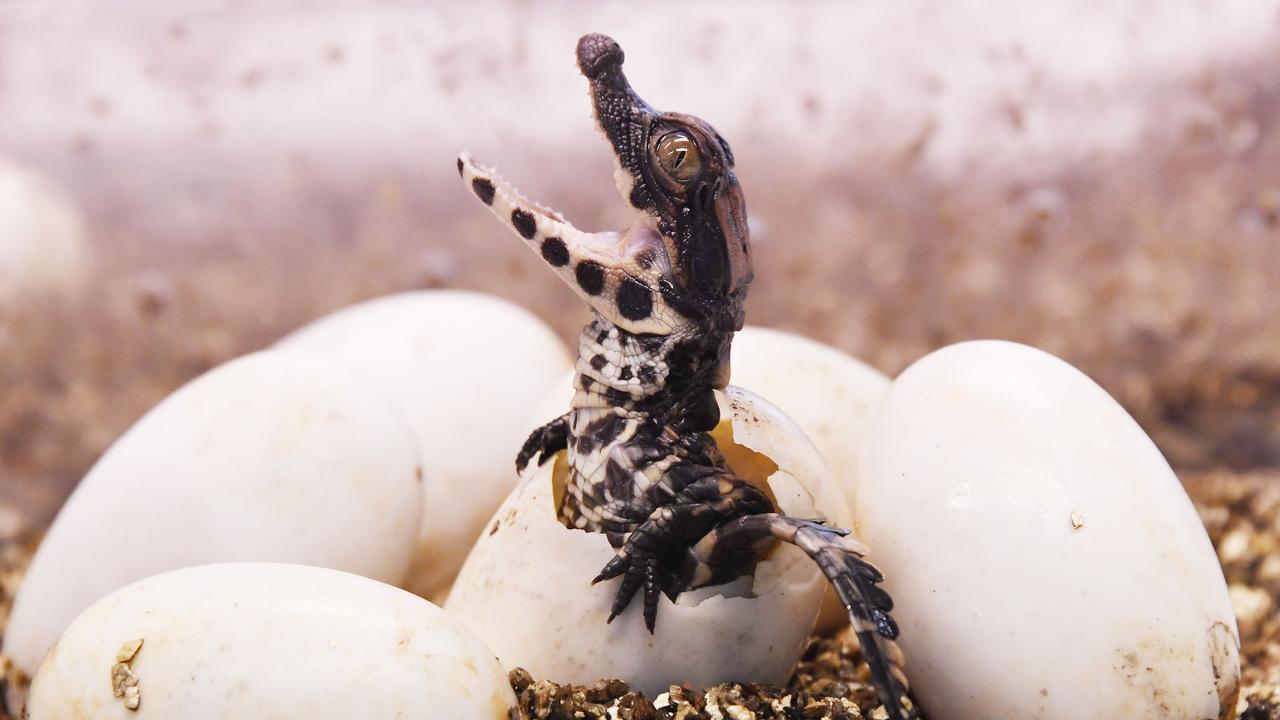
878,598
613,568
885,625
651,595
543,443
863,569
630,584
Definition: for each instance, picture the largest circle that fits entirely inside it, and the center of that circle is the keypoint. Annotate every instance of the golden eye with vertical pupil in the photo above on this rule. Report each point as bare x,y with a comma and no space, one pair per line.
679,157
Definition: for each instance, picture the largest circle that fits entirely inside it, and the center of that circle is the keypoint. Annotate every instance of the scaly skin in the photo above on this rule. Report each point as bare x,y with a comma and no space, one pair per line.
667,295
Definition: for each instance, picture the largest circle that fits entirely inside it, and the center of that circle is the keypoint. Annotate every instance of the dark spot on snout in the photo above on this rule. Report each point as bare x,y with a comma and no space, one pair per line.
484,189
598,54
598,362
590,277
554,252
635,300
459,167
524,224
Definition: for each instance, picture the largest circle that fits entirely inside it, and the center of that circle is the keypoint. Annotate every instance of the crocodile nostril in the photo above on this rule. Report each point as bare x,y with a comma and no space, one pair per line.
598,54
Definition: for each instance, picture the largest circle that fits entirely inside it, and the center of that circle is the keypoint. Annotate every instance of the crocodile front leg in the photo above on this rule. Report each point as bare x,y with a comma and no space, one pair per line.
544,442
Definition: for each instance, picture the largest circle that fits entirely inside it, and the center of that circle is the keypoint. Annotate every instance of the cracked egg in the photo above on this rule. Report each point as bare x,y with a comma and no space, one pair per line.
526,587
831,395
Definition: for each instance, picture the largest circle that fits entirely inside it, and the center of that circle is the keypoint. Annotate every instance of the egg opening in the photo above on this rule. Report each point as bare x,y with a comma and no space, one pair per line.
526,587
753,466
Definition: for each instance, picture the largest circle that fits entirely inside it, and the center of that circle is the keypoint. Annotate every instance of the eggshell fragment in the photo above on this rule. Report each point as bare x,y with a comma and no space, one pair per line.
830,395
1045,560
463,368
267,641
526,587
274,456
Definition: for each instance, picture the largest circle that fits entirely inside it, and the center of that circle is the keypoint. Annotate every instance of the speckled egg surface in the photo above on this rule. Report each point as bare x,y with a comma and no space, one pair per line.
273,457
269,642
1045,561
526,587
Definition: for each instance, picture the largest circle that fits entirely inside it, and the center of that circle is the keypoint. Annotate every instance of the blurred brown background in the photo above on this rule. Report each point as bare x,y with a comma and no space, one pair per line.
1101,180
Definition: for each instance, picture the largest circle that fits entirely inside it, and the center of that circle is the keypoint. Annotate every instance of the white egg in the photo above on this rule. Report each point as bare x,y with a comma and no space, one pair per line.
42,239
526,587
269,642
464,368
1045,560
274,456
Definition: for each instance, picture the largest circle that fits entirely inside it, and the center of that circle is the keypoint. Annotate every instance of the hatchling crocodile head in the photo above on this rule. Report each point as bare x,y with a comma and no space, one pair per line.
684,263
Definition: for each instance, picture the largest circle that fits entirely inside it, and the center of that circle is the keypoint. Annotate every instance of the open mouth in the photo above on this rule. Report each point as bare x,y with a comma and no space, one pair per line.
638,248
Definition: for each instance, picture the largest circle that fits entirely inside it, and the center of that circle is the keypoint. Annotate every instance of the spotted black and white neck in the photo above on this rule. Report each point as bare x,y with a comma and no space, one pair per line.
667,296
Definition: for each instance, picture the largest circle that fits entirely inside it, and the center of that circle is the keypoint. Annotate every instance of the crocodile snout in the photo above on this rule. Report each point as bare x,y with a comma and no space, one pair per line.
597,54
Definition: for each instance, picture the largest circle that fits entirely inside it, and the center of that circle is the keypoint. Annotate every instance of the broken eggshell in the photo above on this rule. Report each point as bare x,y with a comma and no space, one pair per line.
1044,559
526,587
831,395
445,357
273,456
270,642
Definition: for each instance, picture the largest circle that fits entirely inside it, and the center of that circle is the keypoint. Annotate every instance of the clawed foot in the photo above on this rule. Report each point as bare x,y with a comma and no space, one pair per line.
841,557
638,572
544,443
856,582
668,552
649,557
648,560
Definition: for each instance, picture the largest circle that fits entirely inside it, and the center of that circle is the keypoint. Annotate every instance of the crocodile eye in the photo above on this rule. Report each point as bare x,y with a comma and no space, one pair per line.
679,157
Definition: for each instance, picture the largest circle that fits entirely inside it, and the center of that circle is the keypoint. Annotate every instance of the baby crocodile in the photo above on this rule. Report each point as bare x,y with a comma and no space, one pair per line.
667,296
